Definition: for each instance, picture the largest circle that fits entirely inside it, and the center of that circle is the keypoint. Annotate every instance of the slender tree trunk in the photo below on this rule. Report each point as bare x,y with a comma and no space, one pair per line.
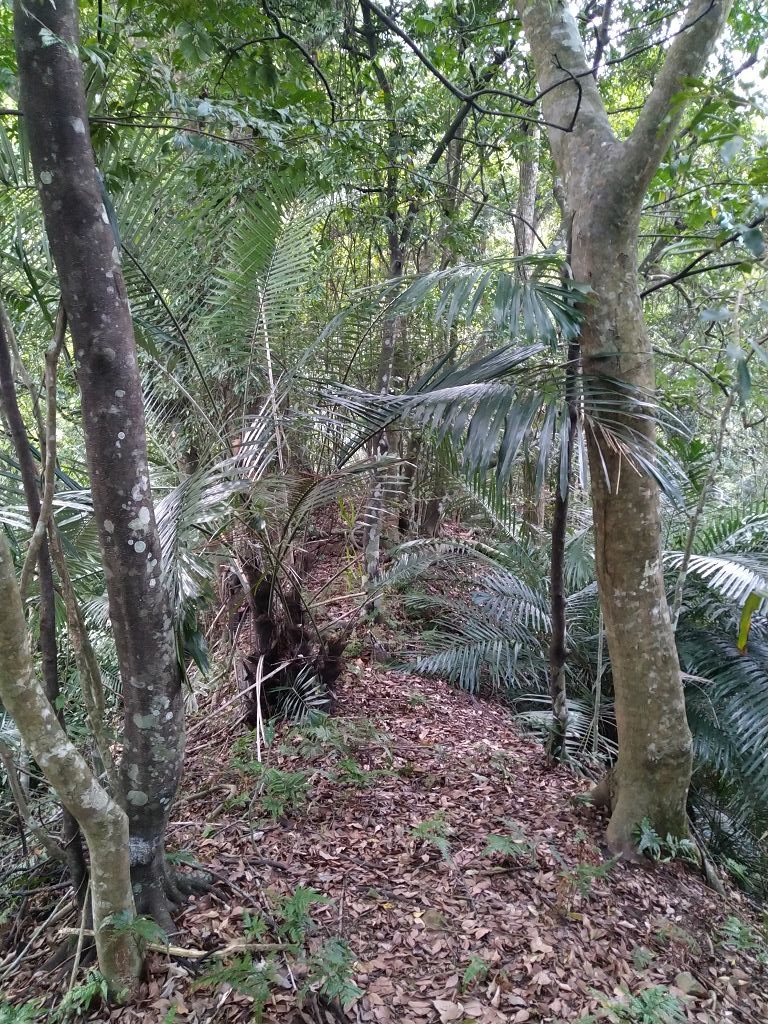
103,823
528,183
87,259
558,648
605,182
72,843
383,493
534,502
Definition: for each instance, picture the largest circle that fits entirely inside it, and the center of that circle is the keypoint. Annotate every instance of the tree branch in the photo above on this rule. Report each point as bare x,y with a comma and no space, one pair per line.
693,267
575,99
305,54
661,114
49,470
473,97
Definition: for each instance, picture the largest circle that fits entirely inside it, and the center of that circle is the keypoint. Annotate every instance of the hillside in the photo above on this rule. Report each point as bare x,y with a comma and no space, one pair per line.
404,787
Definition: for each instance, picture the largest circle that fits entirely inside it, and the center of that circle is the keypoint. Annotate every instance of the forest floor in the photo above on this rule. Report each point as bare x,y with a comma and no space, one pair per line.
386,812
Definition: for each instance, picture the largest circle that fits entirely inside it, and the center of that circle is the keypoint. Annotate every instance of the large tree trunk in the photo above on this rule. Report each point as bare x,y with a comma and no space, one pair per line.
87,259
652,773
103,823
605,181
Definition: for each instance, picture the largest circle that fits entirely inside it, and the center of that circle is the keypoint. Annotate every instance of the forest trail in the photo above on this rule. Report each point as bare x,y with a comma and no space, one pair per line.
440,930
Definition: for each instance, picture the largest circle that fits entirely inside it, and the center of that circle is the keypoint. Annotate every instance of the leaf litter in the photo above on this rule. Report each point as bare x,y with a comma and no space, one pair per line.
450,860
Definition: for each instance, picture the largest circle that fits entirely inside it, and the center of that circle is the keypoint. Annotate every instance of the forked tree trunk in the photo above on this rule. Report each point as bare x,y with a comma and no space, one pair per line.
103,823
87,259
605,181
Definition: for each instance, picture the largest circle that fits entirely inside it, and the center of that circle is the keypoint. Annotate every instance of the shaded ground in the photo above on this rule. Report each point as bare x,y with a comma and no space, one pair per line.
403,790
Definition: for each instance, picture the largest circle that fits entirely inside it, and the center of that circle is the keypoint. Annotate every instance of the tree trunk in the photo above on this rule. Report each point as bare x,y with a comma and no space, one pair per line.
558,648
605,182
72,841
103,823
528,183
652,773
384,494
87,259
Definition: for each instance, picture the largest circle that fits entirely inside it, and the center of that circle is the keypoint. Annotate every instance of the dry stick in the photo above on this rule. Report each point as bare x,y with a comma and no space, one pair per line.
90,675
698,511
59,911
598,683
80,939
49,471
191,953
91,684
240,695
21,369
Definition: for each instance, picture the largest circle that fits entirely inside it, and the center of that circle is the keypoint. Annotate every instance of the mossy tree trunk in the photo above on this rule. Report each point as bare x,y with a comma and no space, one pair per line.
605,180
87,258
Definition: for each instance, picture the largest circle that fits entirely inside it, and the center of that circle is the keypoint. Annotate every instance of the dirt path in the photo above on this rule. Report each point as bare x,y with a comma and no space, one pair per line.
395,832
386,811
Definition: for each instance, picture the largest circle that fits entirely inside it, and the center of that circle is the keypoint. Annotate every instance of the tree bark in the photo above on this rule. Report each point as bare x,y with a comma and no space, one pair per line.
87,259
605,182
103,823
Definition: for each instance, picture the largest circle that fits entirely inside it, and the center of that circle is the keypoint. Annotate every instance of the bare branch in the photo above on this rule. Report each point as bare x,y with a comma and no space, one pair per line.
694,268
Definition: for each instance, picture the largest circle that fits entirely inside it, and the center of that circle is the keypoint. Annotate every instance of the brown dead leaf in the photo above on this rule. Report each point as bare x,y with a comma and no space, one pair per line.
448,1011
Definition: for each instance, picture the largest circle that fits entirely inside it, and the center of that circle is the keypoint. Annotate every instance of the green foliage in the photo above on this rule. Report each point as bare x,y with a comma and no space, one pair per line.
740,937
434,832
292,912
144,928
511,847
356,645
642,957
306,699
656,1005
278,792
486,612
582,877
656,848
417,700
81,999
330,970
348,772
340,736
252,978
474,973
254,926
27,1013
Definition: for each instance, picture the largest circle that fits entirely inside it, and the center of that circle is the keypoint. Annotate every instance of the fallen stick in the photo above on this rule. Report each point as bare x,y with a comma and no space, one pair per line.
191,953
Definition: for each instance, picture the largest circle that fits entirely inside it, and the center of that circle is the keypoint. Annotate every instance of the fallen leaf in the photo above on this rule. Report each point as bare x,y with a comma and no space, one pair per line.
448,1010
